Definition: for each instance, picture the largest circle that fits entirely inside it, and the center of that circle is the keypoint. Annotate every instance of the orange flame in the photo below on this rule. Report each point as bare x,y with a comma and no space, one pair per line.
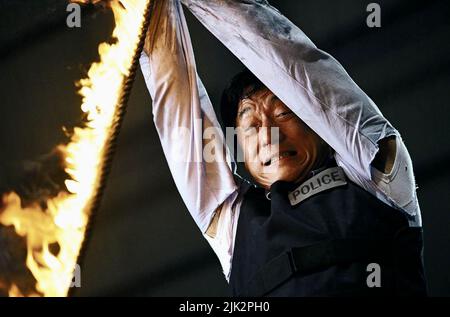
64,221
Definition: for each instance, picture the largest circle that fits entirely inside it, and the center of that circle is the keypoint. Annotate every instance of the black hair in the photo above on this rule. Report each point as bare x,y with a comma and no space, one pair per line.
241,86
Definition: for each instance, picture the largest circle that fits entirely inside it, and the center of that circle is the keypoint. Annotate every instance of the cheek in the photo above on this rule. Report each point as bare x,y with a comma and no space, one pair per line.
254,169
294,131
248,147
302,137
249,150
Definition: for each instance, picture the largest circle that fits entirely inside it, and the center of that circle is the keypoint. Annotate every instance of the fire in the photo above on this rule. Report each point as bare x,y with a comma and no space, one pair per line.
64,220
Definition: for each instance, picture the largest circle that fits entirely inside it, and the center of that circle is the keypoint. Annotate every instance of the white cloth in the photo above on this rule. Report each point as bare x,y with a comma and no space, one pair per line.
309,81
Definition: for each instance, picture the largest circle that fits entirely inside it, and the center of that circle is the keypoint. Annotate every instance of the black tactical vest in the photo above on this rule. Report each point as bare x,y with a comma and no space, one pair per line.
327,237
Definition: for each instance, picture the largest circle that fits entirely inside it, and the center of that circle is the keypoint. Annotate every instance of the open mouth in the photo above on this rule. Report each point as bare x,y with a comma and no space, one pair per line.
279,156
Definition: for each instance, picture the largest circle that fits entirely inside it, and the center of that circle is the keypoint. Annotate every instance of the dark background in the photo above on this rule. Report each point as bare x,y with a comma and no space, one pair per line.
144,241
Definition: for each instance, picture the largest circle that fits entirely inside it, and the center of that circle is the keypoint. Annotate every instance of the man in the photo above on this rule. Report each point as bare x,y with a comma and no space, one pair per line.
328,196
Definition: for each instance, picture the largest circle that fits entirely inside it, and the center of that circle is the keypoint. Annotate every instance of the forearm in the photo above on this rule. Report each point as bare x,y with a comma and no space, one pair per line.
182,111
311,82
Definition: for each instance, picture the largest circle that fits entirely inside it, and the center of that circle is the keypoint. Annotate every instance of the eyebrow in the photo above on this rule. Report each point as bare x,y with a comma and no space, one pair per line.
241,113
273,98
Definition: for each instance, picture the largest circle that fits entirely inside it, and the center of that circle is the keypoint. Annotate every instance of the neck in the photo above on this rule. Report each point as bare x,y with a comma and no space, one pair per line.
321,160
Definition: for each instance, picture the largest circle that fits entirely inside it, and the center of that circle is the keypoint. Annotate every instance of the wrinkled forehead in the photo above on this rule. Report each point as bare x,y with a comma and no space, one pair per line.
262,100
256,97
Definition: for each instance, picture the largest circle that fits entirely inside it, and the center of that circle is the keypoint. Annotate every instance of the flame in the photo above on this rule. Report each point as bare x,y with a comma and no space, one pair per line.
14,291
66,216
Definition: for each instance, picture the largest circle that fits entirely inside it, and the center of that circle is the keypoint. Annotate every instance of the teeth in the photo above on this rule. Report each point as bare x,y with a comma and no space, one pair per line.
280,155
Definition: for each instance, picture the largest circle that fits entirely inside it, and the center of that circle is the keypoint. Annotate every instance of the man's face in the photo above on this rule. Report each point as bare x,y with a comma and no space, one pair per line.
288,155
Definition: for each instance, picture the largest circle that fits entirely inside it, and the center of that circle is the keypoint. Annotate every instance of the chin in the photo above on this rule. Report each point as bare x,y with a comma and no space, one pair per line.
291,171
285,173
289,176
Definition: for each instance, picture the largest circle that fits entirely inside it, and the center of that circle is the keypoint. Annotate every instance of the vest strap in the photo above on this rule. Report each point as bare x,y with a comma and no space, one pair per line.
315,257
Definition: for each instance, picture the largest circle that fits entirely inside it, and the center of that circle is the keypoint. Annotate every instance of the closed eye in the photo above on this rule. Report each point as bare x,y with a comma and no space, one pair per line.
285,113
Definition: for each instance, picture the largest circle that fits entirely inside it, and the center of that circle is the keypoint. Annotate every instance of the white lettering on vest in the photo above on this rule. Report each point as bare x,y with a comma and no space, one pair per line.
327,179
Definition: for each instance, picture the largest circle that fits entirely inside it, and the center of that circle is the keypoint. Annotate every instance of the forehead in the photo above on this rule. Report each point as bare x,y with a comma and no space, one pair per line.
259,97
262,100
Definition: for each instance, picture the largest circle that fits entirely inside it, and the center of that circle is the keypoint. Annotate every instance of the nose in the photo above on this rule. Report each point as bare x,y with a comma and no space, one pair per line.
269,134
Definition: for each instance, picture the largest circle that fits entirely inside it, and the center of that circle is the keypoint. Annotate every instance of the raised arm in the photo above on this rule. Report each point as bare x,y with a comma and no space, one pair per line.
182,111
317,88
